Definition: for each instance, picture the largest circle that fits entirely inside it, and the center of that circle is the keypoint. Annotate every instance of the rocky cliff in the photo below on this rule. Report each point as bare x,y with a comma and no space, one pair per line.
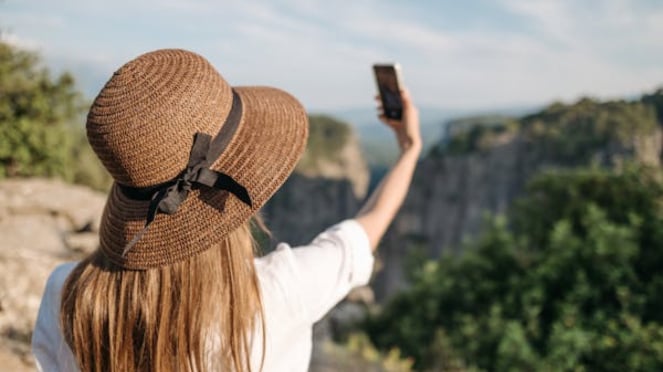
305,206
333,152
327,185
42,224
482,171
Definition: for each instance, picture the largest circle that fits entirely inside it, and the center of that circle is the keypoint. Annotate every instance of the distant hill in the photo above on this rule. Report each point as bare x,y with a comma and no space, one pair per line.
377,141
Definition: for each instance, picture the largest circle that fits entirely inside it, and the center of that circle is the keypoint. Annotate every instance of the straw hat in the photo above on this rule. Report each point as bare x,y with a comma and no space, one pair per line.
192,157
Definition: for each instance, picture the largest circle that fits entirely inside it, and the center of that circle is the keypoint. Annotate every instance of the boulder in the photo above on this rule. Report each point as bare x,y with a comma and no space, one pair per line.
43,223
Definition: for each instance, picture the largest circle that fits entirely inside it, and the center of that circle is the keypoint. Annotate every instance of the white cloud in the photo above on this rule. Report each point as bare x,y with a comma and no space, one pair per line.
602,48
595,27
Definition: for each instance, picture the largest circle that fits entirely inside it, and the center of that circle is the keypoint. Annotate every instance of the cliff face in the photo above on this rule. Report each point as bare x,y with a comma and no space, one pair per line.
452,193
305,206
479,170
326,187
348,164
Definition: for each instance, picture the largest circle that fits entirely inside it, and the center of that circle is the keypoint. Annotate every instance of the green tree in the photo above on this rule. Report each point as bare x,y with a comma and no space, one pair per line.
656,100
570,281
40,123
570,135
35,110
574,134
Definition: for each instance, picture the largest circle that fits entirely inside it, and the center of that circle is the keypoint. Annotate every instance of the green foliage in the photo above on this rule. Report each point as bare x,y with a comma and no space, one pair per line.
655,100
573,285
562,134
327,136
34,110
573,134
38,132
475,134
359,354
563,194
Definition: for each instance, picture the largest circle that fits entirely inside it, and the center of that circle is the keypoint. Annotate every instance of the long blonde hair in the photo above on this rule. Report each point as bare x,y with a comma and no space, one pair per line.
188,316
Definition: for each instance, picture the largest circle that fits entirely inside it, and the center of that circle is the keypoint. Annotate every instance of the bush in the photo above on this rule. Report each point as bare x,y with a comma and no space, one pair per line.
40,116
574,284
358,354
573,134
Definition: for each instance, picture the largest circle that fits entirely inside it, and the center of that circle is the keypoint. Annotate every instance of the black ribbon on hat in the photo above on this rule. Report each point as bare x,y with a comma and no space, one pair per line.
168,196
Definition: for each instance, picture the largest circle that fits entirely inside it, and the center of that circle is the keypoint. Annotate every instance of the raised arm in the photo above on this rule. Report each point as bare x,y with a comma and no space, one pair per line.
381,207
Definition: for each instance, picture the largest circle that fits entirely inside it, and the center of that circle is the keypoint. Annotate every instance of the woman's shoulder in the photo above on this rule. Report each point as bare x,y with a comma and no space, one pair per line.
58,276
310,279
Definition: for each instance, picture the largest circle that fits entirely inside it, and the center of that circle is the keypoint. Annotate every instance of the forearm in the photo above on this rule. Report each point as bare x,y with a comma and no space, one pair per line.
383,204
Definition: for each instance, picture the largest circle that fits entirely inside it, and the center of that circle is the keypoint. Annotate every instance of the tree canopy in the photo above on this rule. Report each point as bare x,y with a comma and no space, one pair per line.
34,111
41,131
563,134
573,284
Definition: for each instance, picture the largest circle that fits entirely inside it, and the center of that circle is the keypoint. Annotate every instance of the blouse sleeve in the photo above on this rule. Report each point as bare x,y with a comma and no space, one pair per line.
48,345
322,273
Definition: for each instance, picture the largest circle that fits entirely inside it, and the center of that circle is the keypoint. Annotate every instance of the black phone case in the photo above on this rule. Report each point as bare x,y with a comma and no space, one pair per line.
389,89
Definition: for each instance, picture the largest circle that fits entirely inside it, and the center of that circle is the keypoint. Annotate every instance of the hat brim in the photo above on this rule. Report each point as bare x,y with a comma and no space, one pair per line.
265,149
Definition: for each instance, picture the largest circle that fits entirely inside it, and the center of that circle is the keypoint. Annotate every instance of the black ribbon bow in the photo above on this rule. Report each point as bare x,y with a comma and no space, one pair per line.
168,200
167,197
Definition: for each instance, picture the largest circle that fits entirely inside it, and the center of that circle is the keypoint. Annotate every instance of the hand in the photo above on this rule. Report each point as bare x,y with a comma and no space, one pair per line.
407,129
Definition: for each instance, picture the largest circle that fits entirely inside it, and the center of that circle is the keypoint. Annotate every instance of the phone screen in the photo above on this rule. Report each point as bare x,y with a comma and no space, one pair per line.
387,80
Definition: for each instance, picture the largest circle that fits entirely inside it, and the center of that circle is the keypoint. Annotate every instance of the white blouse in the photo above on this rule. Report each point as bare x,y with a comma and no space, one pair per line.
299,286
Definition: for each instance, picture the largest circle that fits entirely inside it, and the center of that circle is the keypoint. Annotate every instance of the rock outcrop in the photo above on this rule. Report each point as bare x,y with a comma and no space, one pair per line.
305,206
347,165
327,186
451,195
42,224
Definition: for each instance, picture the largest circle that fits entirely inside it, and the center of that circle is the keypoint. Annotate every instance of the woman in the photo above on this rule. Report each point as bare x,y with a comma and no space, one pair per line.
174,285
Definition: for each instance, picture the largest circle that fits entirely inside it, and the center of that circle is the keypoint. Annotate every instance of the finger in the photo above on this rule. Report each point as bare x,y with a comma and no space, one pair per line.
383,118
406,98
405,95
389,122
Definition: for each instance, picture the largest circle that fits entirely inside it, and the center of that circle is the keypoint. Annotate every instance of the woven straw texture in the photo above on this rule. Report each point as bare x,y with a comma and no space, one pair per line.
142,125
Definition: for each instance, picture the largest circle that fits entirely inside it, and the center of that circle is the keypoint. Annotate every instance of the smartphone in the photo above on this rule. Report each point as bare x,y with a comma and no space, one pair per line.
388,79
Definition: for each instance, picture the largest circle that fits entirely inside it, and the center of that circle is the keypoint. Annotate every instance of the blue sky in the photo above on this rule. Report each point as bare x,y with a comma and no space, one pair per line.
473,54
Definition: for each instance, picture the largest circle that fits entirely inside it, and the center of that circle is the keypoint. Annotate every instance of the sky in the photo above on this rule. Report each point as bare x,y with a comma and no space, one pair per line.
463,55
